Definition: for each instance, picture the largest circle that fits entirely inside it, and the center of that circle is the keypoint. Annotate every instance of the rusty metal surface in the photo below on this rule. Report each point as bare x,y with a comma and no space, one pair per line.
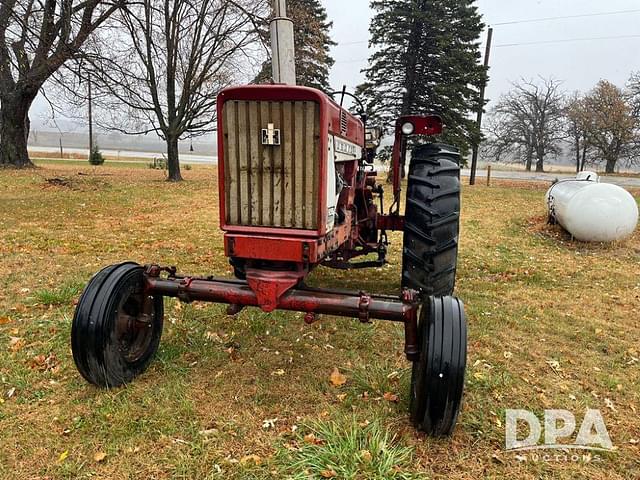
272,185
299,300
271,290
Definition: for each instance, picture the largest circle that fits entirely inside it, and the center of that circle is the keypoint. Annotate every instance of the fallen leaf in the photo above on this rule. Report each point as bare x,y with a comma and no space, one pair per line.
16,343
337,379
233,353
251,458
278,372
99,456
609,404
5,320
63,456
328,474
391,397
366,455
341,397
269,423
311,439
37,362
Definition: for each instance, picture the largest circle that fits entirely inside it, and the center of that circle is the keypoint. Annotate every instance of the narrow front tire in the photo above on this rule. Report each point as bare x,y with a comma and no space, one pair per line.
116,327
437,377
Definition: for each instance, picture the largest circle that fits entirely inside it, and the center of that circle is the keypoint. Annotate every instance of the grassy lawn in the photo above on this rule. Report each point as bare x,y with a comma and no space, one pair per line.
552,324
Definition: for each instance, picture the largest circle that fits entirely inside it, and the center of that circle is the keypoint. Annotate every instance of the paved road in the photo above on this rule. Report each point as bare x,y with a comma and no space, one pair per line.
633,182
127,155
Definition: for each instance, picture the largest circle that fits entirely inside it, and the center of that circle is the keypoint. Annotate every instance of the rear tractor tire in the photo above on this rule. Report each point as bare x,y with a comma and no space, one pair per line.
116,328
437,377
432,221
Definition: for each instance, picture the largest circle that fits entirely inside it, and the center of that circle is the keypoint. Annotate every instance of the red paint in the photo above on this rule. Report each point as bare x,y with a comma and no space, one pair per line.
269,286
390,222
423,125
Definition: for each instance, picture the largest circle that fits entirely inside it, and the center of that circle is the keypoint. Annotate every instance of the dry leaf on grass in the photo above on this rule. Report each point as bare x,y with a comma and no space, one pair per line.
16,343
391,397
311,439
99,456
269,423
251,458
609,404
5,320
337,379
63,456
366,455
328,474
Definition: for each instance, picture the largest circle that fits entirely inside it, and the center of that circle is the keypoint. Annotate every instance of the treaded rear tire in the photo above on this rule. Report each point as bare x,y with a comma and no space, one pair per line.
432,221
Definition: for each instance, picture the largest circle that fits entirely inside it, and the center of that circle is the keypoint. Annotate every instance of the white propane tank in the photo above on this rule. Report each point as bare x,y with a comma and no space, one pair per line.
592,211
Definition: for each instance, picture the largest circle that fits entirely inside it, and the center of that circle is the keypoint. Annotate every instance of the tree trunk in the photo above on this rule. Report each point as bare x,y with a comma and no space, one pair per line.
173,159
611,165
529,161
540,160
14,131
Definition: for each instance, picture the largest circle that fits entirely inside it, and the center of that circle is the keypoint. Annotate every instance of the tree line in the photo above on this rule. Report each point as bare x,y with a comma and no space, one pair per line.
156,66
537,120
150,66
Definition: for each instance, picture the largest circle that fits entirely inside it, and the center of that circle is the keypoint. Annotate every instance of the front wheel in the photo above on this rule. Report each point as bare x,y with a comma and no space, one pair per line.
437,377
116,327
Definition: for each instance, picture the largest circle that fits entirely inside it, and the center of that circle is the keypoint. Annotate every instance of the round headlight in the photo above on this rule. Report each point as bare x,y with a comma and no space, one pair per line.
408,128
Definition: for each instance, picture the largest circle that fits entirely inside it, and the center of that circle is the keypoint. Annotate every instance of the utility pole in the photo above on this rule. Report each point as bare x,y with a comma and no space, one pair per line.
476,146
90,118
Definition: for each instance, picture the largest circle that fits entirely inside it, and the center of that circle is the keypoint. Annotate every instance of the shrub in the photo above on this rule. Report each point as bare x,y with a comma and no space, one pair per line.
96,158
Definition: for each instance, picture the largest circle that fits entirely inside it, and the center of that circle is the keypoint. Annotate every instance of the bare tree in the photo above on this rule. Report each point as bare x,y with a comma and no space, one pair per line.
633,94
162,64
36,38
528,120
577,121
612,125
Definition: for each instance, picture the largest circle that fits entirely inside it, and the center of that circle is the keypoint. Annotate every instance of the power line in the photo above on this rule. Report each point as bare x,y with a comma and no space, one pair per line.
534,20
567,40
584,15
540,42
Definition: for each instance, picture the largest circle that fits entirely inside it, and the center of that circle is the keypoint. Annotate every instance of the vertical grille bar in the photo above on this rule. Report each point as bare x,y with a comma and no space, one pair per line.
298,195
243,162
255,183
266,156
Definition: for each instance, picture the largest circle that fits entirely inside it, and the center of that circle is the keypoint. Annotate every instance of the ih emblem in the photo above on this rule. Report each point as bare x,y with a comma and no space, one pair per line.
270,135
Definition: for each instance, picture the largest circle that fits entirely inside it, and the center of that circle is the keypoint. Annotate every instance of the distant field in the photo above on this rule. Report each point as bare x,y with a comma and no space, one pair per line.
552,324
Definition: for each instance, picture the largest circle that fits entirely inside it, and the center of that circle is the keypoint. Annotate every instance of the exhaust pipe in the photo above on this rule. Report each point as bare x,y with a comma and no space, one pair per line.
282,46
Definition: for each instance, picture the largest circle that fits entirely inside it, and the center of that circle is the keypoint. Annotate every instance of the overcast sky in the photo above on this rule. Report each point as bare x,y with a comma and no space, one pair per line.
580,64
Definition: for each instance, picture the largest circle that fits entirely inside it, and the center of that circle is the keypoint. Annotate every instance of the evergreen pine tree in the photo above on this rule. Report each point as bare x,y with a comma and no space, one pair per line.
312,42
426,60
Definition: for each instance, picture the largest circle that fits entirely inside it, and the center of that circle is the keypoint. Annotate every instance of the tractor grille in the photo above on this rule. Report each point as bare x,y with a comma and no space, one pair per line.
272,185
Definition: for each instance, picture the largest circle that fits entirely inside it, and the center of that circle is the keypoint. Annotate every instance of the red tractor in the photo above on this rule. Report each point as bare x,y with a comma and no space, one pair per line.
298,190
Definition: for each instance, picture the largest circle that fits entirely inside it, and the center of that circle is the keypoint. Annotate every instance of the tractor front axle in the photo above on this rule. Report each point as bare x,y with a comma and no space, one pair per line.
310,301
